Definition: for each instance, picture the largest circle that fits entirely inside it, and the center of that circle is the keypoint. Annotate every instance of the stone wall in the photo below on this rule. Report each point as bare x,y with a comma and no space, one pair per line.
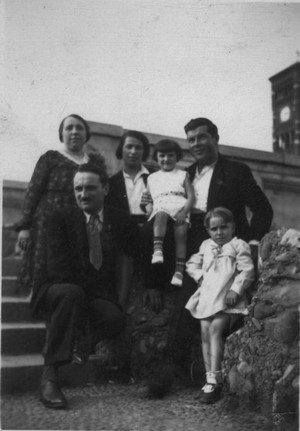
277,173
262,358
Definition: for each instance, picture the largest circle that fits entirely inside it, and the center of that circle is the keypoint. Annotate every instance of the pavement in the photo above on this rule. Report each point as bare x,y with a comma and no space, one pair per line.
119,406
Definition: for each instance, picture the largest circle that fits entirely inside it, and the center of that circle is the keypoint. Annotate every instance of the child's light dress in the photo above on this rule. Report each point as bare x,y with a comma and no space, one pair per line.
168,192
221,268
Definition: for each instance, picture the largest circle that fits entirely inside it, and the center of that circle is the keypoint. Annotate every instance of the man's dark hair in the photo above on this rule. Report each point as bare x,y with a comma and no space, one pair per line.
198,122
78,117
96,165
137,135
166,146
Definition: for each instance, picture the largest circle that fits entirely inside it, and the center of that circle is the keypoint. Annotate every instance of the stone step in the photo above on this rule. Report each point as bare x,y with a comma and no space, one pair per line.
9,239
23,373
11,265
20,338
15,309
12,287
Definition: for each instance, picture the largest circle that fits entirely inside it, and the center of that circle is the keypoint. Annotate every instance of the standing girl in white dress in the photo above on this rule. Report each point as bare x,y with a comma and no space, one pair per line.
223,269
172,195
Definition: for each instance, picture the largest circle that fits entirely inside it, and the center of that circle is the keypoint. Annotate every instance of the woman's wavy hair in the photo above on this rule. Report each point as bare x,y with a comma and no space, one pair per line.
166,146
137,135
78,117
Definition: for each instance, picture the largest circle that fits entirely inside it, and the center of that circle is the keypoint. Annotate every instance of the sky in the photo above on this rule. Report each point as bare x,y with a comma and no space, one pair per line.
147,65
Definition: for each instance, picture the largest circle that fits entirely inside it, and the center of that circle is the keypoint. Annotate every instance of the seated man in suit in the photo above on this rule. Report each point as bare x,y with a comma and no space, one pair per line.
80,283
217,181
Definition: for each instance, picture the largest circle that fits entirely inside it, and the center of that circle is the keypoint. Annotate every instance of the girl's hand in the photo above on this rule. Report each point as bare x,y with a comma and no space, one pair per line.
23,239
231,298
146,198
180,216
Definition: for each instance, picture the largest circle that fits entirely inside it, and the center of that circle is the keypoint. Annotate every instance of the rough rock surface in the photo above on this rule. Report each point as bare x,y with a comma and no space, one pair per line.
261,359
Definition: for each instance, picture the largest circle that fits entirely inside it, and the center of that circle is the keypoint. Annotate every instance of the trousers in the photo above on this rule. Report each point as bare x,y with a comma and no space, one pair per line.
69,310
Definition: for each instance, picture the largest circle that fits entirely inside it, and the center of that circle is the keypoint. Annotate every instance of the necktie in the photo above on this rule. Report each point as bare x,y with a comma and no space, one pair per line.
94,228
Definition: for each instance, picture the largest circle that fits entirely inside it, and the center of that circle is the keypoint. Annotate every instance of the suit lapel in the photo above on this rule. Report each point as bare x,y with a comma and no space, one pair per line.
192,171
122,191
78,232
216,183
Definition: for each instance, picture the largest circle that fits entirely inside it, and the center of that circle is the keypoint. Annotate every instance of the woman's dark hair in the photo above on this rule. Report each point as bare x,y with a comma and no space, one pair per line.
137,135
166,146
198,122
222,212
78,117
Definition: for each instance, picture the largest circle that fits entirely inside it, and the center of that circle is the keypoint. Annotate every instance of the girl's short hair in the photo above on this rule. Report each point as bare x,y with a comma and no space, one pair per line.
166,146
137,135
222,212
78,117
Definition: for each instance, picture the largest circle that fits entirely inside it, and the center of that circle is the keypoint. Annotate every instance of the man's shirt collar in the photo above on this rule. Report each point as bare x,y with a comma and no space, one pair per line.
88,216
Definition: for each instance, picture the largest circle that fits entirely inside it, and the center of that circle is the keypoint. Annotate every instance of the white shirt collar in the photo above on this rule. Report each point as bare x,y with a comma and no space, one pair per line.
142,171
205,168
88,216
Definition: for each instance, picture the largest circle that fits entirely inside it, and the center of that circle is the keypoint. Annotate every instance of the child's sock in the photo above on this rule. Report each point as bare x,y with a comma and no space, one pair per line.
214,377
157,256
178,275
180,264
158,244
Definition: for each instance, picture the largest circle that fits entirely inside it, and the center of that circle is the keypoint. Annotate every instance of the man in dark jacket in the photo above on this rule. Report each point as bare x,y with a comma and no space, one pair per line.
81,279
217,181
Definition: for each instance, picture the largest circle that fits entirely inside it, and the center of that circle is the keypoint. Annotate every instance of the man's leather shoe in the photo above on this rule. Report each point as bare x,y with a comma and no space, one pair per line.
51,395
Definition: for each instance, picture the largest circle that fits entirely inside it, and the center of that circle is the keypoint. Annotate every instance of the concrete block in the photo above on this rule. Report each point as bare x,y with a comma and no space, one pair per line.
11,265
15,310
20,338
12,287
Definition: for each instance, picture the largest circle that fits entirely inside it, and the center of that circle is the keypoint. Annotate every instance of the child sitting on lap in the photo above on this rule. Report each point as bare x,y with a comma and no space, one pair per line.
172,195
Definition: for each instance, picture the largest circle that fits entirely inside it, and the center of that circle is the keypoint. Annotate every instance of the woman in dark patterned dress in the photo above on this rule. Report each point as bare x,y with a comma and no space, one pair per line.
50,188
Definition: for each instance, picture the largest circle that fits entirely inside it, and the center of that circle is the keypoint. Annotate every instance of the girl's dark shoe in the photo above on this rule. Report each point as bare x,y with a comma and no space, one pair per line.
211,393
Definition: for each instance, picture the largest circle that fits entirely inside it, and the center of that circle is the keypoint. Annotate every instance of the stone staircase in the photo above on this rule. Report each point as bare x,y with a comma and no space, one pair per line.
22,338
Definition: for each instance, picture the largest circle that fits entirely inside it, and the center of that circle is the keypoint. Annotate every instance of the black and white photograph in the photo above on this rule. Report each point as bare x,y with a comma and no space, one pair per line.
150,187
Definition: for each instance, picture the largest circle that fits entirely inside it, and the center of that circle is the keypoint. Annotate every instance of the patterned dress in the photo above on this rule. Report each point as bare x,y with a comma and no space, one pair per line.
50,188
219,269
167,192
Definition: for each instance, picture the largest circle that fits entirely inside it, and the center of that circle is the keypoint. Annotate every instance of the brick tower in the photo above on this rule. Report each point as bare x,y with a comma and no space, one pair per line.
286,110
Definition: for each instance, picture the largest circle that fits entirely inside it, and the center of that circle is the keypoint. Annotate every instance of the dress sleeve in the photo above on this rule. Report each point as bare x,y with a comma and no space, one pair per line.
34,192
244,266
194,266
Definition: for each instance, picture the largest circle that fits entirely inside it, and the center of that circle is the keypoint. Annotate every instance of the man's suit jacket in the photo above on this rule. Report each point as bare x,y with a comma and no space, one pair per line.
233,186
68,254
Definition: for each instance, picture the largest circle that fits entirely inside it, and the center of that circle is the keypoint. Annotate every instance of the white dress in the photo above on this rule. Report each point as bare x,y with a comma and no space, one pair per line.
220,268
167,192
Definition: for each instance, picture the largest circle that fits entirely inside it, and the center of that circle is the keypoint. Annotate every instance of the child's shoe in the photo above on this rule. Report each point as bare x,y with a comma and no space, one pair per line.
212,390
157,257
210,393
177,279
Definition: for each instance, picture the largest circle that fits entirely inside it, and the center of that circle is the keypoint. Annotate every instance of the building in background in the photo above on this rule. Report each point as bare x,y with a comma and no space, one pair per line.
286,110
278,172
